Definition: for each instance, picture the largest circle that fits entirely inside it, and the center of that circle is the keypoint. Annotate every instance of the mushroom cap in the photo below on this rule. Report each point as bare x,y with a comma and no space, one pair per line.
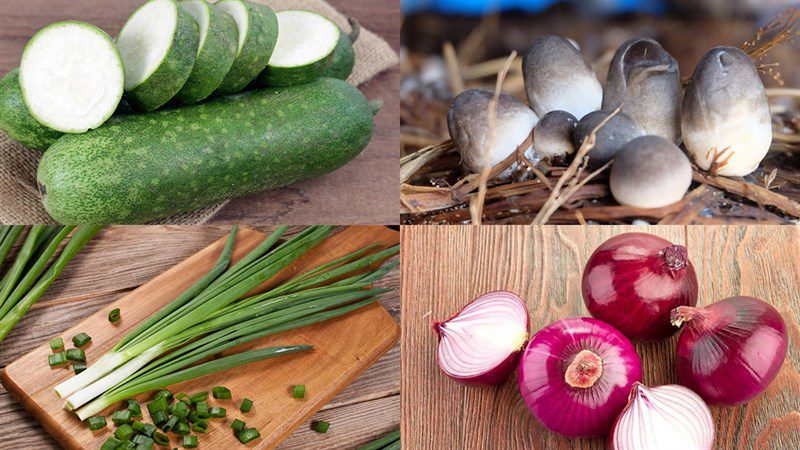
558,77
617,132
645,80
650,172
553,134
725,113
467,120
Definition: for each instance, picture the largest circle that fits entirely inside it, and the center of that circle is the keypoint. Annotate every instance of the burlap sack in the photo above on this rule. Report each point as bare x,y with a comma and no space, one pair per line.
19,198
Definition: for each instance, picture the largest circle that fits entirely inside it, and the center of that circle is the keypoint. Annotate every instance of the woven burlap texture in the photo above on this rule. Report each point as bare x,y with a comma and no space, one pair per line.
19,198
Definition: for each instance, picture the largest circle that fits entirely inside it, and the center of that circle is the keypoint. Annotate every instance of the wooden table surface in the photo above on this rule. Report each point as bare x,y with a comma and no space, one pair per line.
362,192
544,266
120,259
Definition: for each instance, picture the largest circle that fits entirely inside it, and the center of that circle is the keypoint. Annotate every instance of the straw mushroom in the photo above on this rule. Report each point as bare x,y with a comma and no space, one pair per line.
558,77
650,172
644,79
725,115
467,120
553,134
611,137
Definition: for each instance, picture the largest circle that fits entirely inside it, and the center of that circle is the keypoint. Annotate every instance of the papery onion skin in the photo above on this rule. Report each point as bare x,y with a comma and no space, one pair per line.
577,411
731,350
633,280
663,418
498,372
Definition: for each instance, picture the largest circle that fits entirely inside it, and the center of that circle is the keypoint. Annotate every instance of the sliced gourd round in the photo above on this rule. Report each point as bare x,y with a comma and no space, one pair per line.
258,33
304,51
71,77
158,45
219,43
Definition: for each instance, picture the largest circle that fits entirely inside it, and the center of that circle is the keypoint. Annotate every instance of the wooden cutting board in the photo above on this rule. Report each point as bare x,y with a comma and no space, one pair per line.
343,348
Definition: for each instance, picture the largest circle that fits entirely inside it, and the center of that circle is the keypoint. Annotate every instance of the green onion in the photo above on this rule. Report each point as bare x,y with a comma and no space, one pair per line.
320,426
160,439
199,397
184,397
238,425
78,367
247,435
134,407
217,412
299,391
141,439
144,447
111,444
202,410
76,354
190,442
246,406
146,429
181,428
216,314
17,291
124,432
159,418
171,424
158,404
81,339
383,442
221,393
200,426
180,409
57,359
113,315
56,344
96,422
165,394
121,417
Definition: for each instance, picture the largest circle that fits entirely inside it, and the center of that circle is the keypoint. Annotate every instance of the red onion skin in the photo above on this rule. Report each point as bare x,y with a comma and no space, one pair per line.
568,410
633,280
499,373
731,350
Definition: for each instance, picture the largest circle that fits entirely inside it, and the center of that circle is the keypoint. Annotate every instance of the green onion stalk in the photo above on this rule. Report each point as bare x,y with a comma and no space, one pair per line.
29,276
216,314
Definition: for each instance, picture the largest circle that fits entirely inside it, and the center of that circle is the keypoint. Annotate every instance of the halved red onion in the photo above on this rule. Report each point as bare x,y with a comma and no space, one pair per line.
663,418
482,342
633,281
575,376
731,350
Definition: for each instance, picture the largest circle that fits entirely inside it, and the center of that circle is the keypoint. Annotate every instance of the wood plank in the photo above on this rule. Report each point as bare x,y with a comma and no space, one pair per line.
544,266
333,364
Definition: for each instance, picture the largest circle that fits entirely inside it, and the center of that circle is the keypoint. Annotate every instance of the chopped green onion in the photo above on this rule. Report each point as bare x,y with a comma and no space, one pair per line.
217,412
383,442
144,447
78,367
146,429
184,397
158,404
159,418
202,410
181,428
238,425
320,426
127,445
81,339
111,444
121,417
221,393
124,432
246,406
165,394
96,422
247,435
199,397
161,439
299,391
200,426
141,439
56,344
134,407
76,354
180,409
114,315
193,417
171,424
57,359
190,442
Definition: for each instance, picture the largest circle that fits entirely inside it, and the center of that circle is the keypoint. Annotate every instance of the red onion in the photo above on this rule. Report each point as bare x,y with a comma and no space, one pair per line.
663,418
575,376
482,342
731,350
634,280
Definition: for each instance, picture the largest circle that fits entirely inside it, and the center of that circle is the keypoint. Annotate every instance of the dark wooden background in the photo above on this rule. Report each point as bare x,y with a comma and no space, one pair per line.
445,267
362,192
120,259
